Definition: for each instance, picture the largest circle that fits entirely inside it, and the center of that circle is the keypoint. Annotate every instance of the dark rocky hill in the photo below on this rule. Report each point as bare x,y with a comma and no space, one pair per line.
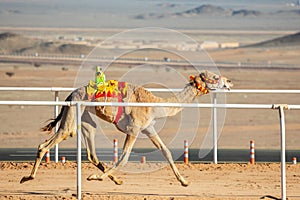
11,43
244,12
288,40
217,11
205,10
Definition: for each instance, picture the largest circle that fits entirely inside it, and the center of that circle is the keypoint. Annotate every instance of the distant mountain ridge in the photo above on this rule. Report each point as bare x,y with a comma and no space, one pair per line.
288,40
245,12
208,9
203,10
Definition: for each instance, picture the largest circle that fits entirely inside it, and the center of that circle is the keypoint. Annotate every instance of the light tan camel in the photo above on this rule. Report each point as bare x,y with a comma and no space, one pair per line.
131,121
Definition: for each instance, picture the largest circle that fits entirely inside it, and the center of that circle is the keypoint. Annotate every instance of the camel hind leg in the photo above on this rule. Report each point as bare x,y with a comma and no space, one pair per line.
43,148
67,128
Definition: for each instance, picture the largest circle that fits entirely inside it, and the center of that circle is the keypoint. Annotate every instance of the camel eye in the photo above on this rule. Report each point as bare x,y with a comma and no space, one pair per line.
228,81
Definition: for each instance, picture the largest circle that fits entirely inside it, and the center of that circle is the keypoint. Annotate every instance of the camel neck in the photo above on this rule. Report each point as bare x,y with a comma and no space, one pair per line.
187,95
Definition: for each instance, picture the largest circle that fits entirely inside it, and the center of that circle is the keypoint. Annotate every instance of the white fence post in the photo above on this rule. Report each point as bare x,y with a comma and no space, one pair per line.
282,142
78,120
215,129
56,99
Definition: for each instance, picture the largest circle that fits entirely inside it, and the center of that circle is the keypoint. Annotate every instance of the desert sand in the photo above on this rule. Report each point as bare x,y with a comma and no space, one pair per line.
207,181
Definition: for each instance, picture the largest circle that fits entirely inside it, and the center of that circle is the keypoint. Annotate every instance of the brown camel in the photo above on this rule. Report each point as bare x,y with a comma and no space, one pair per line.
129,120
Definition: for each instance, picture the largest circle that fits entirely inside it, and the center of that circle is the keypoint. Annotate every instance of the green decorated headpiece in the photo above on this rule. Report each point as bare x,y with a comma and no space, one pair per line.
100,76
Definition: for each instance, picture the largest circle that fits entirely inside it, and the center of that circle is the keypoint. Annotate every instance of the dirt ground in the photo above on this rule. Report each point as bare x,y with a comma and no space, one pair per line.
207,181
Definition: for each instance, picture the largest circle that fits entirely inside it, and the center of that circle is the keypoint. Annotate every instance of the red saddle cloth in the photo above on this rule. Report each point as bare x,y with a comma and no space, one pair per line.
114,89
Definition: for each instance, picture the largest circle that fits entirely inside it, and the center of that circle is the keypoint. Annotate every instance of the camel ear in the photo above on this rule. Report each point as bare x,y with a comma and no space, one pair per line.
192,77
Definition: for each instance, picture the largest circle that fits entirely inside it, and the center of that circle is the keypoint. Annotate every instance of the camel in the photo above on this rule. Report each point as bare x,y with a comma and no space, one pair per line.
130,120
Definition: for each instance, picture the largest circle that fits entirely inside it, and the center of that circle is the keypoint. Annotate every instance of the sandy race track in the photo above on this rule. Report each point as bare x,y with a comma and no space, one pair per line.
207,181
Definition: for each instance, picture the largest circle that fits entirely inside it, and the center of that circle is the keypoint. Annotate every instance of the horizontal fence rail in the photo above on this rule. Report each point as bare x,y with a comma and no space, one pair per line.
129,104
49,89
69,89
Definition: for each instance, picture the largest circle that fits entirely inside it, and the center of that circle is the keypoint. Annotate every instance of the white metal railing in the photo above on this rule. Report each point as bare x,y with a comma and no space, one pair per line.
69,89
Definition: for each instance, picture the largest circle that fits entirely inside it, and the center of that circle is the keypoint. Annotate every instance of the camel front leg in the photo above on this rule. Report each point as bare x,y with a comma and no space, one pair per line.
167,154
128,144
150,131
88,132
92,157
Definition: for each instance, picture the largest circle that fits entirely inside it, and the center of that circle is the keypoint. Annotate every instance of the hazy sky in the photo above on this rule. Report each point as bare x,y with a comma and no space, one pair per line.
122,14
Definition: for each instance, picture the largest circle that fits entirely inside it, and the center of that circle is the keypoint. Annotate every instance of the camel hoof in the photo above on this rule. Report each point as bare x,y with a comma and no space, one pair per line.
26,178
185,183
118,182
115,180
94,177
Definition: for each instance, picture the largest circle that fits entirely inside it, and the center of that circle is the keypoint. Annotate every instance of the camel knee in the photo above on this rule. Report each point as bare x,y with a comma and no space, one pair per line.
41,150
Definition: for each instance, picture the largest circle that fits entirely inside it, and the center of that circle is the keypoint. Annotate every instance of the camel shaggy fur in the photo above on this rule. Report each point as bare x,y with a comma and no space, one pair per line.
131,121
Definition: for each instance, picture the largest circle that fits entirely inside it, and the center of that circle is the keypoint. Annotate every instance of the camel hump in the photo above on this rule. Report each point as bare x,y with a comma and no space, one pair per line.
143,95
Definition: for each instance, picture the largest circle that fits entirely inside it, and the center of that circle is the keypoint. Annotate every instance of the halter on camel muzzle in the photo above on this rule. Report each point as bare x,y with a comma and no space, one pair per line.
210,84
215,83
199,86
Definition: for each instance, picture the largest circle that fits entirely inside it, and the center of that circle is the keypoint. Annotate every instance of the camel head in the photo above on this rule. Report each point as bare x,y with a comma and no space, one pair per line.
206,81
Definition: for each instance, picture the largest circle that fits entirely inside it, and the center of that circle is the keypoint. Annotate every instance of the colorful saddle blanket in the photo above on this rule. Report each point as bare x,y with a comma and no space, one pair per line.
108,89
111,88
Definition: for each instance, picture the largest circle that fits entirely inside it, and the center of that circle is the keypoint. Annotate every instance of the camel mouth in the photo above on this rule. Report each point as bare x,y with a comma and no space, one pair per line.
222,83
226,87
228,84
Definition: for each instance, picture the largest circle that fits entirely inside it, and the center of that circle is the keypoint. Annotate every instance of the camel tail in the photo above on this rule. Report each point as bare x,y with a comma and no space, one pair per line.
49,127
